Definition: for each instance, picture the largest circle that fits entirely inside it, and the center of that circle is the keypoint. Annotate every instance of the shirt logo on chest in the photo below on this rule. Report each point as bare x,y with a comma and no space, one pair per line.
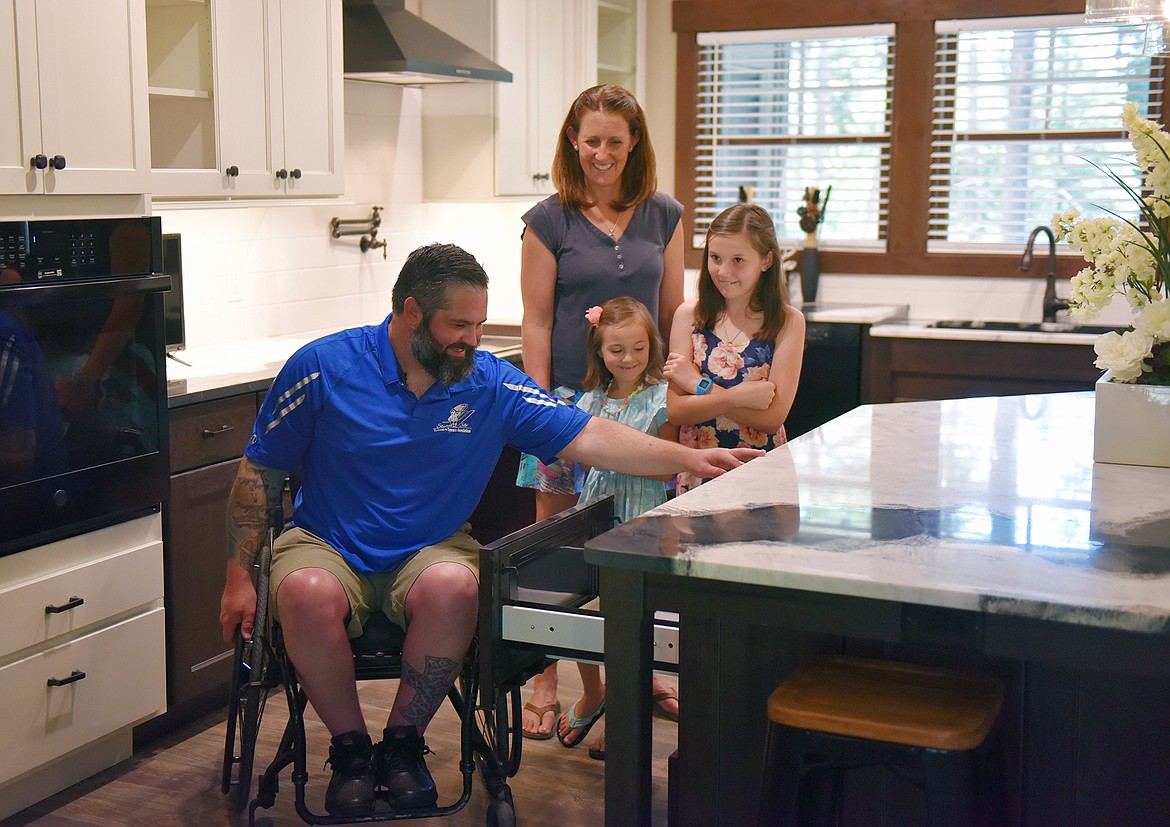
456,421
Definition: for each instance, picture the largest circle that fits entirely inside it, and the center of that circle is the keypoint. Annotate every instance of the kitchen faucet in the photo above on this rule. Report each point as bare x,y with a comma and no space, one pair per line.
1052,305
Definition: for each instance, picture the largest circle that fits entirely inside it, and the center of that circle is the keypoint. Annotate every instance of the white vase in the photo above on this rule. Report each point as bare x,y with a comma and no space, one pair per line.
1132,423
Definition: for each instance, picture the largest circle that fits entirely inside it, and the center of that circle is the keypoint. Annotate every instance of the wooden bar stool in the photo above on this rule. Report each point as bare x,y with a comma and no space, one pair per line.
837,712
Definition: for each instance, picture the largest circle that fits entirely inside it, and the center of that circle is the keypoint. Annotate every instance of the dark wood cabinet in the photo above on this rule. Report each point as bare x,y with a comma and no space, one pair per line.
905,369
207,441
196,550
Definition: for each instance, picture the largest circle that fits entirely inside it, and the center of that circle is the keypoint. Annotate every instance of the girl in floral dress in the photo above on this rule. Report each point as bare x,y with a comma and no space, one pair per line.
736,350
623,382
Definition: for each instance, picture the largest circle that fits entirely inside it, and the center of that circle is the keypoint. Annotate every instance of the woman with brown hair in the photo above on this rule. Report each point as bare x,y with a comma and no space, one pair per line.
606,232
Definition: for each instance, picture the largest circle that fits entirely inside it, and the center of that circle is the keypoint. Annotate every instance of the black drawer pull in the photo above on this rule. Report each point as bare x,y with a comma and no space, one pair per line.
74,677
73,603
222,429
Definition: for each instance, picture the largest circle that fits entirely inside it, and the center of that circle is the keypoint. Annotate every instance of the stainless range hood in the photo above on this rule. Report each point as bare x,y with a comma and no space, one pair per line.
387,44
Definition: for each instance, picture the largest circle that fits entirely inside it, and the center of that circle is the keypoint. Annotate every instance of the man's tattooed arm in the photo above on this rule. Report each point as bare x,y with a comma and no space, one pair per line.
255,494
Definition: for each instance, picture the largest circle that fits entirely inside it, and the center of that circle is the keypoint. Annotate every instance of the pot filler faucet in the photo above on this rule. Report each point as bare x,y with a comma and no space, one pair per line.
1052,305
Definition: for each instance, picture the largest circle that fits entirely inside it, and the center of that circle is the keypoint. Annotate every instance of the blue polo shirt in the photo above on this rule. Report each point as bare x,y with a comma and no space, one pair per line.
385,474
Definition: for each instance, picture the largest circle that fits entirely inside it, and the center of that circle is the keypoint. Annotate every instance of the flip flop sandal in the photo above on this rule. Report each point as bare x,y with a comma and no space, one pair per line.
582,724
540,712
597,751
658,697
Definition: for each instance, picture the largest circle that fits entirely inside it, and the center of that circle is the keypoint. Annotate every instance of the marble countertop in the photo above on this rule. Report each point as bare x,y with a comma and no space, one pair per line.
217,371
922,330
852,313
990,504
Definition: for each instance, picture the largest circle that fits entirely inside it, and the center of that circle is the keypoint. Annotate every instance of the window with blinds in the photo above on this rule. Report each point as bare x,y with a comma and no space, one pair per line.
778,111
1023,108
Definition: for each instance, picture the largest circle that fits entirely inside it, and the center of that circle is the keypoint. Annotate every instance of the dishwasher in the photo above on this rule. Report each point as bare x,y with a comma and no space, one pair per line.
830,377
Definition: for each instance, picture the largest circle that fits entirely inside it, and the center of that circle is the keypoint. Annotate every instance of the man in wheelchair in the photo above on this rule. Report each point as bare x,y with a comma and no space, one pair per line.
395,429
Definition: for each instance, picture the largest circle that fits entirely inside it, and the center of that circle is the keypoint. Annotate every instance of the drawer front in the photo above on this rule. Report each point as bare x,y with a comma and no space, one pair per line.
68,600
211,431
125,682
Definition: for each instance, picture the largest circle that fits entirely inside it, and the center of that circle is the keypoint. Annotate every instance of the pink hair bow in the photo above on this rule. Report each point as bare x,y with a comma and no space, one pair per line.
593,315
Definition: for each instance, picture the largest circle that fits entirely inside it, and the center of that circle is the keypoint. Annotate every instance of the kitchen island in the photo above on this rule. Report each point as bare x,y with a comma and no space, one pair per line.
975,533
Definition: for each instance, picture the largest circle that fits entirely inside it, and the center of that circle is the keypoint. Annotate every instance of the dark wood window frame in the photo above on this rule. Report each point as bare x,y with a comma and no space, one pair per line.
906,250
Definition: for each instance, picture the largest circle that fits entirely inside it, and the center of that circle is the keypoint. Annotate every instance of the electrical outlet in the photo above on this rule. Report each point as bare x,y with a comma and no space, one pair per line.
233,285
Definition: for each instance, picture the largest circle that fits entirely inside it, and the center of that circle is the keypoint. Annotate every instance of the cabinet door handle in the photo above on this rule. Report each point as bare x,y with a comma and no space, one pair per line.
222,429
282,174
38,161
73,603
232,171
74,676
57,162
296,173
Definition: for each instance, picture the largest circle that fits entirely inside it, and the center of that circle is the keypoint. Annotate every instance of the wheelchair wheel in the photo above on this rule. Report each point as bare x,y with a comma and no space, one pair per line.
501,812
255,676
501,732
229,749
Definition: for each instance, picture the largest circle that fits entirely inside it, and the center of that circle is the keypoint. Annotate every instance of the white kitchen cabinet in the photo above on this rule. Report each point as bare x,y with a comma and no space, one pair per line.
620,49
555,49
73,102
82,655
246,98
542,43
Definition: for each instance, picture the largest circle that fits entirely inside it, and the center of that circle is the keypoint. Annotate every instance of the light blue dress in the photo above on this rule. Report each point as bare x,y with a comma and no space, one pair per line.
645,409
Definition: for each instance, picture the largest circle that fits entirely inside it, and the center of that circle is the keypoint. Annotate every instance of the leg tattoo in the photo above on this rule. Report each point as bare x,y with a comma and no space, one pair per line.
430,687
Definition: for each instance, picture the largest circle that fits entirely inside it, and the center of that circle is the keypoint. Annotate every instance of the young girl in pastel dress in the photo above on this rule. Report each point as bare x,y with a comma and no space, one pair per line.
624,382
736,350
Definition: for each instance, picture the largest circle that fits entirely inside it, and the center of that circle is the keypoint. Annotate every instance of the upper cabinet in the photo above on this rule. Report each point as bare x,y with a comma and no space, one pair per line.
73,103
245,98
554,49
619,47
543,44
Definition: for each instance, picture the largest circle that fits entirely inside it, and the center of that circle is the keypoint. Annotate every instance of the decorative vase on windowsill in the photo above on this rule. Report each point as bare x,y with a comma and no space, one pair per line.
812,215
1130,258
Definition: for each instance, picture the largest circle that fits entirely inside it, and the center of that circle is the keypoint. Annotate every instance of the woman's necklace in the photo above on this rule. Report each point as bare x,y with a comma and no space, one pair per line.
612,227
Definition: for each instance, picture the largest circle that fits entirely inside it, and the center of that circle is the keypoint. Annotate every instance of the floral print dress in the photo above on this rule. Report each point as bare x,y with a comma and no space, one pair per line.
727,365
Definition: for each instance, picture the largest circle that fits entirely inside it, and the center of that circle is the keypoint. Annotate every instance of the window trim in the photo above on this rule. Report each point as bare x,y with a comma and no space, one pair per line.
906,252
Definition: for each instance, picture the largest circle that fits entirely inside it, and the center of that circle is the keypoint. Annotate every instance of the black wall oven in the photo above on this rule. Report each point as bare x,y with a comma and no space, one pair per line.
83,405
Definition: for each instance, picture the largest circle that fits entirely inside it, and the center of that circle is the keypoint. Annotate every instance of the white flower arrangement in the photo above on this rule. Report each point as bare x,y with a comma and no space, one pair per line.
1128,260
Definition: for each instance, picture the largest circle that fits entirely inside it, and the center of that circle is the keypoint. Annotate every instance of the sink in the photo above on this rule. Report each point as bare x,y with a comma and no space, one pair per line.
1026,327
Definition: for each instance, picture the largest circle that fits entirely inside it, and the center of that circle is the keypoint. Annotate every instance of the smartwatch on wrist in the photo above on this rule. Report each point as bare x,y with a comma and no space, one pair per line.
703,386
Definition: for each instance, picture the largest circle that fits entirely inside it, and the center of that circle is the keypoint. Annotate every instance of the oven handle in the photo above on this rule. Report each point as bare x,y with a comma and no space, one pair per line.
90,289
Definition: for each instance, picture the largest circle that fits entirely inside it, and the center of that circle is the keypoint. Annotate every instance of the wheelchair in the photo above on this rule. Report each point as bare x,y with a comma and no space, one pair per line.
541,561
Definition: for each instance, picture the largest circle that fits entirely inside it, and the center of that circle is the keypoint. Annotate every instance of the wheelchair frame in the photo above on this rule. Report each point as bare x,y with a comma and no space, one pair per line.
538,569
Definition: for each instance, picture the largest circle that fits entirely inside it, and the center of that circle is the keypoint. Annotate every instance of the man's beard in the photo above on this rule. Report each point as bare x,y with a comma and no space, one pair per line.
435,360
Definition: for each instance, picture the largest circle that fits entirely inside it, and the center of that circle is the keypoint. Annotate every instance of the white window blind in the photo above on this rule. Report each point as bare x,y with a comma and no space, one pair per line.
1021,108
778,111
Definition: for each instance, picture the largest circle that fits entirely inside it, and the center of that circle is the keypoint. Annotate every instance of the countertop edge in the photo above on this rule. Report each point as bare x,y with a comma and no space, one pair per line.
922,330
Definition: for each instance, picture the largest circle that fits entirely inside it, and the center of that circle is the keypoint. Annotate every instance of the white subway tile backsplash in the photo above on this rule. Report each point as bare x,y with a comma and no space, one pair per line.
259,270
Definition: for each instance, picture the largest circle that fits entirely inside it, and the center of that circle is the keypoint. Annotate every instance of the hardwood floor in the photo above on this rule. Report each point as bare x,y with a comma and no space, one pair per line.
176,780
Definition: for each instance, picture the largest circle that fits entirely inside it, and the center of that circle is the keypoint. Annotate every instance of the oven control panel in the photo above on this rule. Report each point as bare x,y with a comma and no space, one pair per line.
74,249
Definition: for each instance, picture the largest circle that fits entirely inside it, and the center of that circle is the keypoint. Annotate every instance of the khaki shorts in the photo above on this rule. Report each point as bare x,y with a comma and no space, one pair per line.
298,549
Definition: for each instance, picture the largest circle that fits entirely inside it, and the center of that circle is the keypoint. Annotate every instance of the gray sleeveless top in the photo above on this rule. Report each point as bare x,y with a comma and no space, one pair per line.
593,268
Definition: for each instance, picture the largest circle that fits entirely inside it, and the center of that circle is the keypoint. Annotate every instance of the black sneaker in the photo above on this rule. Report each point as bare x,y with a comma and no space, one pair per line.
351,789
402,770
